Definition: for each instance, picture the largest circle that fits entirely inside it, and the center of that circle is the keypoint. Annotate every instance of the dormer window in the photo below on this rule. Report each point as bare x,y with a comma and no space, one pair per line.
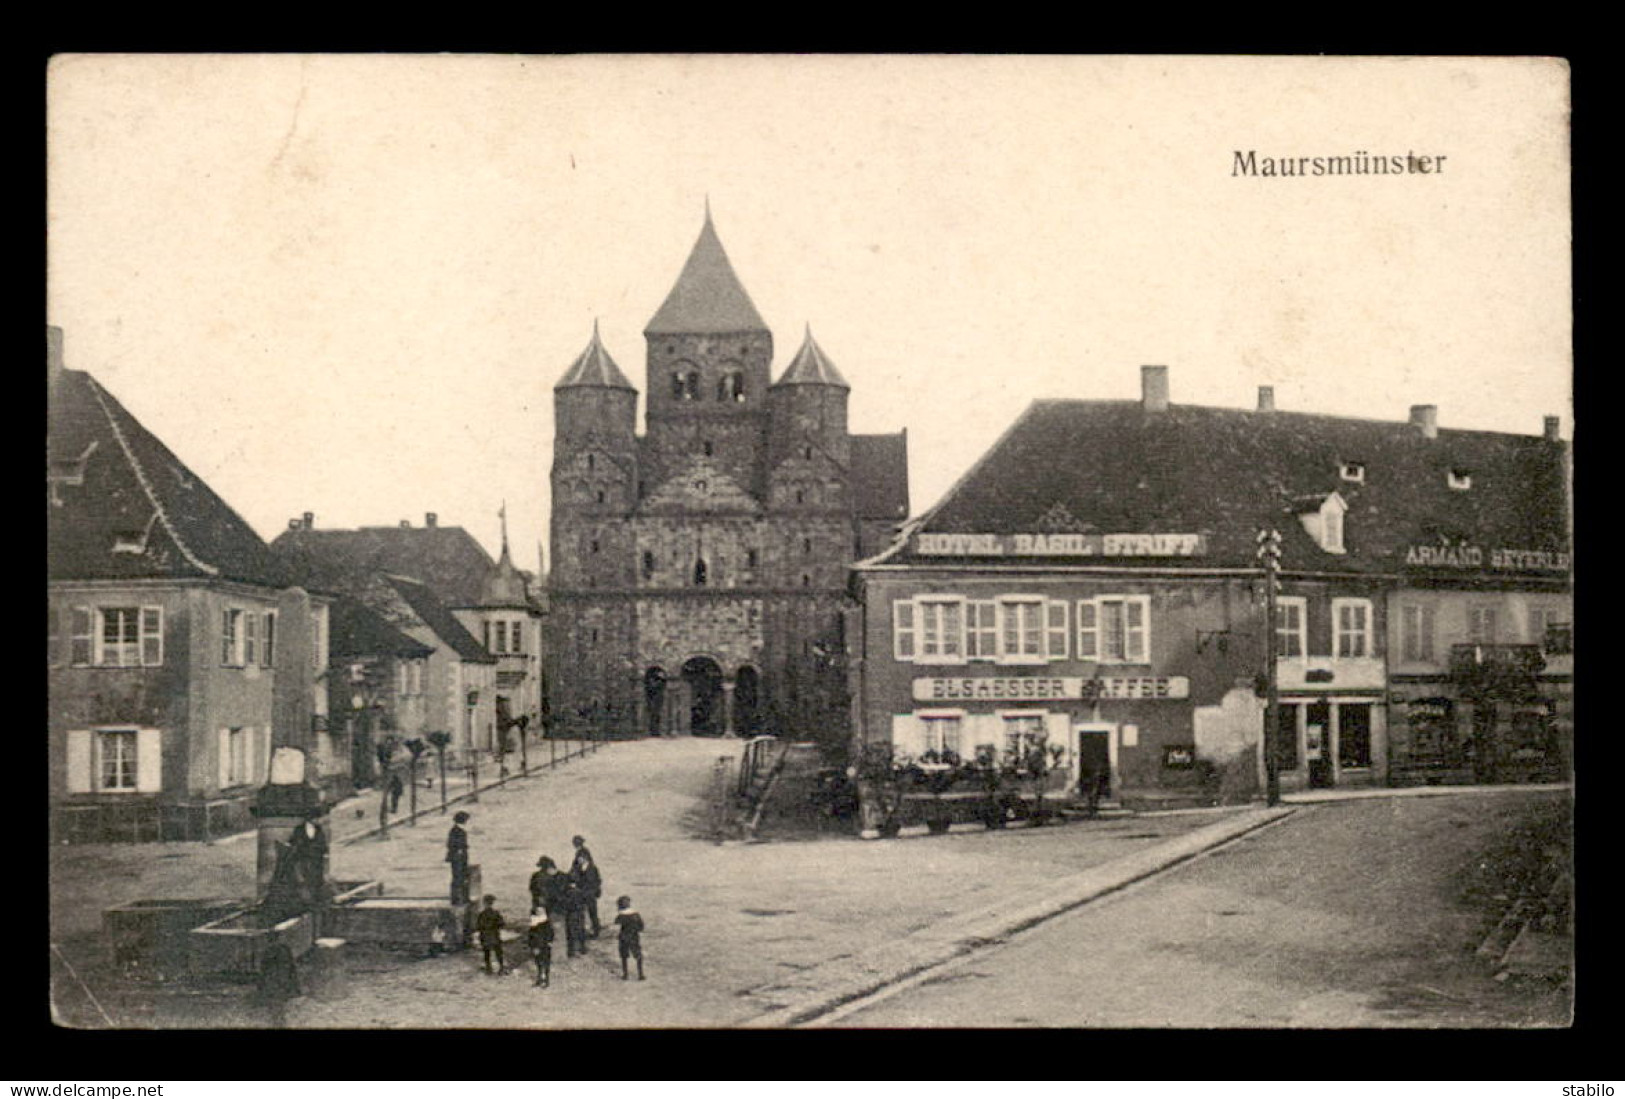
1323,521
1353,472
1459,479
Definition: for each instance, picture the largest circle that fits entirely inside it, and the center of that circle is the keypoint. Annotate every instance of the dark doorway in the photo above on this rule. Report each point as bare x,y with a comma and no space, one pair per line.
654,700
1353,735
1094,764
1482,746
747,701
704,680
1317,749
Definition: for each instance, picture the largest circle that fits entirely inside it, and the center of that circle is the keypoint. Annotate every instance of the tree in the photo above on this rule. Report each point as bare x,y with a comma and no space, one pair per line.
882,781
416,747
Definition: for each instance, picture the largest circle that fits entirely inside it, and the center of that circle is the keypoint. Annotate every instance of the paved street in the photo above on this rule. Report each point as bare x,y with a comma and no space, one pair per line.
723,920
1347,914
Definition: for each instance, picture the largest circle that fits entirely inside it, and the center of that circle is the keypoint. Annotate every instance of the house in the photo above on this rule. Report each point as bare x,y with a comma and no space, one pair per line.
178,650
1094,583
699,568
377,684
508,619
412,578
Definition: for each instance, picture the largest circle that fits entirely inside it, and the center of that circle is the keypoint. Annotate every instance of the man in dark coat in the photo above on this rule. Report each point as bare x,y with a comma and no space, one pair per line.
584,870
307,859
547,889
457,855
575,918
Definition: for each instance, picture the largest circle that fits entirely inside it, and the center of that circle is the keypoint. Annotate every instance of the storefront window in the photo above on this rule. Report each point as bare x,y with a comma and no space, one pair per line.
1286,738
1433,732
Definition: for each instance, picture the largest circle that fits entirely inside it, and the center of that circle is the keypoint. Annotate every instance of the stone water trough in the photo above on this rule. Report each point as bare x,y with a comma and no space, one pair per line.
236,944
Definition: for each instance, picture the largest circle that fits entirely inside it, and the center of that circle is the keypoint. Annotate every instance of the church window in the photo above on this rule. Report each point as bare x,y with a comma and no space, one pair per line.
648,565
706,447
699,572
806,581
600,496
589,462
801,496
731,387
685,385
806,547
806,452
751,558
594,546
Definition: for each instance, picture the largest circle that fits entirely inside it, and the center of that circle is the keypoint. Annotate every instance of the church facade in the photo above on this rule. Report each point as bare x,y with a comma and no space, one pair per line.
700,569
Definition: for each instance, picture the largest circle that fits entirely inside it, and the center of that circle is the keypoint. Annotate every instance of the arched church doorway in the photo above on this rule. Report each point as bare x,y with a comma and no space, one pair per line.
654,701
747,701
704,680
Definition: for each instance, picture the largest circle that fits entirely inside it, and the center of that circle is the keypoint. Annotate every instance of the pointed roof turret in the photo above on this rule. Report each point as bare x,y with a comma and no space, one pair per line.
594,367
708,296
811,366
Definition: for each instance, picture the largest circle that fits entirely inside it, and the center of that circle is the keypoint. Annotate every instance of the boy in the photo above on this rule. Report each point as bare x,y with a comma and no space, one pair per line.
489,923
631,930
540,940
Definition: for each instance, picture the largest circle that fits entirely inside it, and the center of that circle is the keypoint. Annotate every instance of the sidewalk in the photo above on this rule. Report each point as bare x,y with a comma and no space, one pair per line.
1348,793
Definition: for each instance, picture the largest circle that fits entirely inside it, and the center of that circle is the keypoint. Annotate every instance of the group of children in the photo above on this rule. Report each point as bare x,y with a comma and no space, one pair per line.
576,896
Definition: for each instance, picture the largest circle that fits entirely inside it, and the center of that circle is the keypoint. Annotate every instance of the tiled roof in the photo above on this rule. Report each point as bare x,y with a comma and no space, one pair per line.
811,366
438,618
112,483
880,476
355,630
594,367
448,559
1112,467
708,296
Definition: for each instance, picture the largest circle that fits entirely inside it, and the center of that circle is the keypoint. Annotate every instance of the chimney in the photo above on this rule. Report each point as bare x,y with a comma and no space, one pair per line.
1426,417
406,524
53,356
1551,425
430,518
310,520
295,524
1266,398
1154,388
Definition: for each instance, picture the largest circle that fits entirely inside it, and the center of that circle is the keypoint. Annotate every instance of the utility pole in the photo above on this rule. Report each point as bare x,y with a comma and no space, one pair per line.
1269,552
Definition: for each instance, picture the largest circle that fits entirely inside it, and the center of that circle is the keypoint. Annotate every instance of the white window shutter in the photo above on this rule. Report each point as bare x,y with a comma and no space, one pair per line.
1136,612
903,630
906,735
149,761
225,758
80,763
1055,728
1057,630
152,636
1088,631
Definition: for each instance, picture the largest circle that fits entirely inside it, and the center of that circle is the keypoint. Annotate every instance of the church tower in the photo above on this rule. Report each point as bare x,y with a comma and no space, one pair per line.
699,570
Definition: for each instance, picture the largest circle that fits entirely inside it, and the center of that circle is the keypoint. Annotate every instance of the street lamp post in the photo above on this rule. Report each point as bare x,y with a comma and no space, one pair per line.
473,756
1269,552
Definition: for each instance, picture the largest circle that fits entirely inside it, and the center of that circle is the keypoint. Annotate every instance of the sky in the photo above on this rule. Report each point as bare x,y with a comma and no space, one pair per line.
347,284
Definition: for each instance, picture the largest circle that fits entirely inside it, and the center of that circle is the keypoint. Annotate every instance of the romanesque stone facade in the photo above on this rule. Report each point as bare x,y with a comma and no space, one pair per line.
699,569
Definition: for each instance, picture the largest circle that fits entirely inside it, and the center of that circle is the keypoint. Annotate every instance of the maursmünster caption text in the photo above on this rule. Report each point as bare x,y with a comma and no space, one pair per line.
1357,163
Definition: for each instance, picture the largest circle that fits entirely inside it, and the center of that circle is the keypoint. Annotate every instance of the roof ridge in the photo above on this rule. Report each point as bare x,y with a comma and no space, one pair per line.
146,485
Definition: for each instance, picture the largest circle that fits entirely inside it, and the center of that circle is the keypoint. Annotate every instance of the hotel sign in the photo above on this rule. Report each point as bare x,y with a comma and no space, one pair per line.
1032,688
1477,557
1060,545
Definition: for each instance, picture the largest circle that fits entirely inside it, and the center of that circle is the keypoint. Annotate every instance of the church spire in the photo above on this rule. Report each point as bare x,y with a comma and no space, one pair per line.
707,297
811,366
594,367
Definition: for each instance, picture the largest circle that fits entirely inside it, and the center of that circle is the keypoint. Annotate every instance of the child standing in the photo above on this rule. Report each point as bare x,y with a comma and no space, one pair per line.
489,923
631,933
540,940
